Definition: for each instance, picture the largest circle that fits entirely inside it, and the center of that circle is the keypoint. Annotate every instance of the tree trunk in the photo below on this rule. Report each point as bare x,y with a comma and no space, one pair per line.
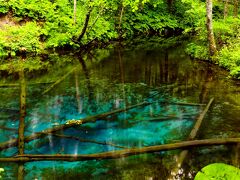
74,11
211,40
226,9
235,8
85,25
180,159
22,113
120,22
170,5
122,153
21,123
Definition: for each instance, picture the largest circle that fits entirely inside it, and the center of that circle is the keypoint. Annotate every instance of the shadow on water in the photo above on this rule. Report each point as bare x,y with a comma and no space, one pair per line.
115,79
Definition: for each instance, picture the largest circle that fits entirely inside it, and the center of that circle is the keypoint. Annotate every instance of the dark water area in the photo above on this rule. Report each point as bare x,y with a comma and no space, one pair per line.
74,87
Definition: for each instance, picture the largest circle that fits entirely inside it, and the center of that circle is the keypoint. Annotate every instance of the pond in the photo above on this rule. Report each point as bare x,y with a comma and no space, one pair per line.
166,87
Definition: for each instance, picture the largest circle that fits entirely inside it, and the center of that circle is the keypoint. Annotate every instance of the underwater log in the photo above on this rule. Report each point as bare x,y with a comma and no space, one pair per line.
13,142
192,135
122,153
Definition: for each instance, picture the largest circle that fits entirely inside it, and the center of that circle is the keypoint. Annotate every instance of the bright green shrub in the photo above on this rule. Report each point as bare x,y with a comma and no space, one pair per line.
34,9
198,51
20,38
4,8
226,30
150,19
229,57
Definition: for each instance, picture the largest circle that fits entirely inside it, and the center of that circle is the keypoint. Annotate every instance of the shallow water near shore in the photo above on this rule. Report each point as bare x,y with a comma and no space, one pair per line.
111,79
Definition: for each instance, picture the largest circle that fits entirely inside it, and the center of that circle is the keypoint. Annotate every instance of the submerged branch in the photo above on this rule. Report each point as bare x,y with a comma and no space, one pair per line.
37,135
58,81
199,121
87,140
122,153
13,142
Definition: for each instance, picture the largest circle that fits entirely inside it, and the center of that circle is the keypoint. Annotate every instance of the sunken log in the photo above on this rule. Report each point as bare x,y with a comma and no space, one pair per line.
13,142
124,152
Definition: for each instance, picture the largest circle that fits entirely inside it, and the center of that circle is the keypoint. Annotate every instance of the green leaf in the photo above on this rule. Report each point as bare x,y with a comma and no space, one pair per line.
218,171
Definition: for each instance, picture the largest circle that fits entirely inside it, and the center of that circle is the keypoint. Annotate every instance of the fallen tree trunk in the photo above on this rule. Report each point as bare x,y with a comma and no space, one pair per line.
199,121
13,142
192,135
122,153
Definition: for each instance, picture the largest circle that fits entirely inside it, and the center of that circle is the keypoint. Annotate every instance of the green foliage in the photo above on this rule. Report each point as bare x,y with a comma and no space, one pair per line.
226,32
20,38
218,171
197,51
50,23
31,64
34,9
150,19
1,171
229,58
40,25
194,14
4,8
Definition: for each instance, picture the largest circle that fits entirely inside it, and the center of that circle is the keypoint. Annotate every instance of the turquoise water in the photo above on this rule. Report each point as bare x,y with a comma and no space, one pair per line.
112,79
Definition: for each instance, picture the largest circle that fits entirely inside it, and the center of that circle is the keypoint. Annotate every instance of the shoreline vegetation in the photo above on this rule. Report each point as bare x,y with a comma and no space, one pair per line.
31,28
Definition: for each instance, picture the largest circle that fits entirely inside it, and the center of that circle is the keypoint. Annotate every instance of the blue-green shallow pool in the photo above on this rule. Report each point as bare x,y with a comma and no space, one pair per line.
111,79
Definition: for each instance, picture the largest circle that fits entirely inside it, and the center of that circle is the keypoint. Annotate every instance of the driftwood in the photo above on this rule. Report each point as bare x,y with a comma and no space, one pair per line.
124,152
13,142
58,81
183,154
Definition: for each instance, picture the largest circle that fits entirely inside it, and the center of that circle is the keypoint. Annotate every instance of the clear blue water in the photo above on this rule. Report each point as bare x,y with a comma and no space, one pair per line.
113,79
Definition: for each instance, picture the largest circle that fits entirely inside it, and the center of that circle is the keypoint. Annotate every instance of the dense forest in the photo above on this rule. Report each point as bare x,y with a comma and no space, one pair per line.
36,27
